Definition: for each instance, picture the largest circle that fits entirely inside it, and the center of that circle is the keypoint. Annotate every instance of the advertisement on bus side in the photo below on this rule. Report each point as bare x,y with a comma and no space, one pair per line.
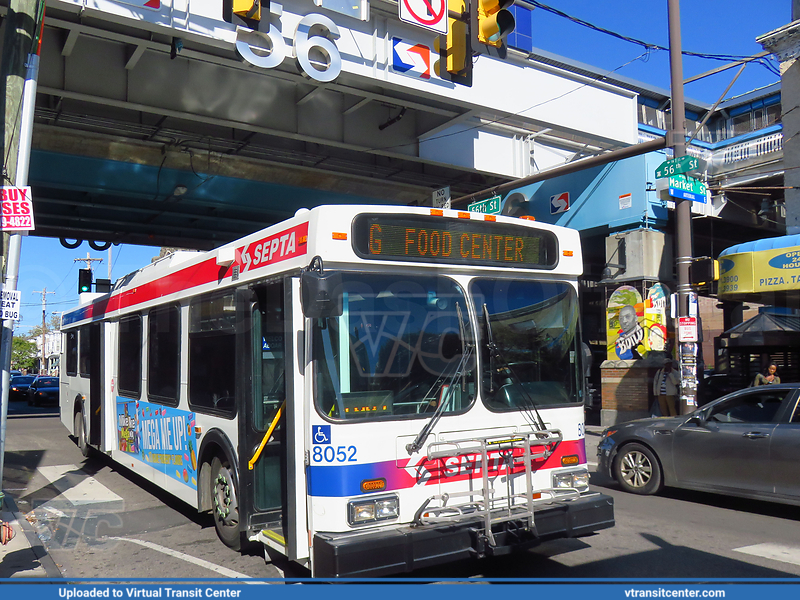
160,436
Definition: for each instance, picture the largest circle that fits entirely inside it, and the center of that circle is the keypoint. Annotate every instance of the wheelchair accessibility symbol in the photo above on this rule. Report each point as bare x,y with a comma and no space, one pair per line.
322,434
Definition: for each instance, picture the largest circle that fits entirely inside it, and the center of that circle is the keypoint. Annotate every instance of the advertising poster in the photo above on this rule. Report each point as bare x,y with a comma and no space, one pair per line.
655,318
624,318
636,326
160,436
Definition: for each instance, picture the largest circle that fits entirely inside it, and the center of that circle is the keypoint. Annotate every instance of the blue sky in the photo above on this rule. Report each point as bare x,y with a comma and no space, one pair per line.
46,265
708,26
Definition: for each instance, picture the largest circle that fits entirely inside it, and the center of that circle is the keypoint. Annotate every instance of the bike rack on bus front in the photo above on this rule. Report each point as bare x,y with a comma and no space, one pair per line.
483,502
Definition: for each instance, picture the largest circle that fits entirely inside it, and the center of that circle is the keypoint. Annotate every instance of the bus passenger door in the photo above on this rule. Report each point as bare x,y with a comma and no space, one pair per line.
95,385
262,352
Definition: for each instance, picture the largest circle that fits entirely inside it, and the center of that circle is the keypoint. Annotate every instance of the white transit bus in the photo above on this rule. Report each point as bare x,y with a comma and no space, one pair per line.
366,390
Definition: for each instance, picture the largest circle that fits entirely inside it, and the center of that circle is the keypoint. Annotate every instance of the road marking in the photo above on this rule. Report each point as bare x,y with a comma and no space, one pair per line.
782,552
186,557
76,486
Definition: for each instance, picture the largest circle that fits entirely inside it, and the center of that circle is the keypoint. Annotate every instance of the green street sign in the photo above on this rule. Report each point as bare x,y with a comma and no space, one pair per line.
676,166
687,188
489,207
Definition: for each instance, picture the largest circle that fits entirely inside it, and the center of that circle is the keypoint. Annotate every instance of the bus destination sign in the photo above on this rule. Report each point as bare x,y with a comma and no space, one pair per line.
434,239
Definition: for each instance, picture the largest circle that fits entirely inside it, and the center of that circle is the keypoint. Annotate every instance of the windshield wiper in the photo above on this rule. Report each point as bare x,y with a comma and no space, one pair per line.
460,370
496,355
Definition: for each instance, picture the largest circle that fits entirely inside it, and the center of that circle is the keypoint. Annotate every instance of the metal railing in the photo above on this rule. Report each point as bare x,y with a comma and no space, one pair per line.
515,453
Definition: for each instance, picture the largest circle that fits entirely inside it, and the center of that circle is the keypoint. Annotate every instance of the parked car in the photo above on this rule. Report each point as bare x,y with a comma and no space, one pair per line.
18,387
744,444
43,390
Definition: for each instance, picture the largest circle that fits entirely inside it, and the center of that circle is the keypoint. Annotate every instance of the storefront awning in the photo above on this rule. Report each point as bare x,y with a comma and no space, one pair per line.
764,271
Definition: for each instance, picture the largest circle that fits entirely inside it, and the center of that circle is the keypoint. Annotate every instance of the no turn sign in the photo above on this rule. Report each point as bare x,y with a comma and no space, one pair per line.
430,14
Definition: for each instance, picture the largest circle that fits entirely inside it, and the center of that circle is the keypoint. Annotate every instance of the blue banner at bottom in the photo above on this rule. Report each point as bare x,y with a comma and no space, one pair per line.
308,589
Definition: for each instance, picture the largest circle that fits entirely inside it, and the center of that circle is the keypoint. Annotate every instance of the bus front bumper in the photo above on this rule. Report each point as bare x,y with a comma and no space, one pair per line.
379,553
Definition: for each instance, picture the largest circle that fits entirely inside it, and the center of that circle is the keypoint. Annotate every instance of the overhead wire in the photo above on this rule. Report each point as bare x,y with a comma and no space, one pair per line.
650,46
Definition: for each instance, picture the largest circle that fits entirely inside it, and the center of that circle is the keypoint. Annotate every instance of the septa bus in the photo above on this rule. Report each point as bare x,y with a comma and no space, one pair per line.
366,390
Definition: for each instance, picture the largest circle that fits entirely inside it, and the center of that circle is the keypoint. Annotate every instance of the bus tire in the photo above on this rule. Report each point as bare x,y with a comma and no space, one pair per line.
224,503
80,434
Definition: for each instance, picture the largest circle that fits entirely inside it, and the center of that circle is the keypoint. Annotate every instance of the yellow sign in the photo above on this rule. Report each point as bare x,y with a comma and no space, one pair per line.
774,270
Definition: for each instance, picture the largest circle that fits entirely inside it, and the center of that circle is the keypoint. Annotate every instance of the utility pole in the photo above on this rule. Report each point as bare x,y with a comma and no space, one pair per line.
19,71
88,260
683,208
44,293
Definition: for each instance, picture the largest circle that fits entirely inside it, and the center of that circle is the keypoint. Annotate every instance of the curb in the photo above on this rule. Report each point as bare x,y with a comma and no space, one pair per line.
40,553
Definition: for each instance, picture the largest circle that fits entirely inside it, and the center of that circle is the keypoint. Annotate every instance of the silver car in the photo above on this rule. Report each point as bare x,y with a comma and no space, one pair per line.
744,444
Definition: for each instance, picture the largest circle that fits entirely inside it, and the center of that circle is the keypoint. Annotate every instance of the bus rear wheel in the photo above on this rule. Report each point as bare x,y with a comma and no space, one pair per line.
80,434
225,505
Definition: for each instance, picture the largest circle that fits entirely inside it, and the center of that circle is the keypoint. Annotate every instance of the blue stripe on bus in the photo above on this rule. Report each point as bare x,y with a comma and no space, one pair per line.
339,481
76,315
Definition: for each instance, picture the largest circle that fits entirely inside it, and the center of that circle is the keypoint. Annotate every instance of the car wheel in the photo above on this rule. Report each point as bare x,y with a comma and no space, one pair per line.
80,434
225,505
637,470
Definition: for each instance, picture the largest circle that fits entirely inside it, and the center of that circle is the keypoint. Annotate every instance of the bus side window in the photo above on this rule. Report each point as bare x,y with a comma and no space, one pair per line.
212,355
85,344
129,358
163,354
72,352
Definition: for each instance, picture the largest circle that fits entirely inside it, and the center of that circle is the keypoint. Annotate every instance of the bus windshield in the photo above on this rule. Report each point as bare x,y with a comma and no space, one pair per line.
534,326
395,351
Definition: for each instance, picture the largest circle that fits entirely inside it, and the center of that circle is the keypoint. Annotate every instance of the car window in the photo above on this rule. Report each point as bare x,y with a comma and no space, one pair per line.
749,408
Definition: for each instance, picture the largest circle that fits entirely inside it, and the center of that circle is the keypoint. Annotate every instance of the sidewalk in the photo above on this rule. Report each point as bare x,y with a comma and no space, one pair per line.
24,556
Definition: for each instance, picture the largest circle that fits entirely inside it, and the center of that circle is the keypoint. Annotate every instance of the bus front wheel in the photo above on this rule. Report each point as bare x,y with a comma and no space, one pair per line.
225,505
80,434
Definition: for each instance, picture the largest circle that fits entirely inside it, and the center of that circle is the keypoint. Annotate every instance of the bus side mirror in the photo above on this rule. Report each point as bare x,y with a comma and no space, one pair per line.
321,294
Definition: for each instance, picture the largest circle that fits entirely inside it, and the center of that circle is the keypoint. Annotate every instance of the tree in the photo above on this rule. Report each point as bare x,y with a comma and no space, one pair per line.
23,353
36,330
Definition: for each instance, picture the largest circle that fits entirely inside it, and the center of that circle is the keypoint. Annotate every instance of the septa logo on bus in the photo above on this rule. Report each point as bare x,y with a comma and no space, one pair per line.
457,468
275,248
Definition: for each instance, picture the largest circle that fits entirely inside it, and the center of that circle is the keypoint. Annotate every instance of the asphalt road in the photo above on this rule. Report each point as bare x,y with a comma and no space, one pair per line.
99,520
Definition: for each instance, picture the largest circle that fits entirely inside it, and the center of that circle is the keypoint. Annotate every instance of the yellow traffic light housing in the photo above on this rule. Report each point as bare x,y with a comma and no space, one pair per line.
455,48
247,9
703,270
494,21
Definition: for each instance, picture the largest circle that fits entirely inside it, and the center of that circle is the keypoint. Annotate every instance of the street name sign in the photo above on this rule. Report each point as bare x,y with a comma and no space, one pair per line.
688,188
490,206
681,164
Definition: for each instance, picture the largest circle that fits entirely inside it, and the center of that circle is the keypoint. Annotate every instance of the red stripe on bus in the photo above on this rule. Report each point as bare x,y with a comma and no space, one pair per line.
196,275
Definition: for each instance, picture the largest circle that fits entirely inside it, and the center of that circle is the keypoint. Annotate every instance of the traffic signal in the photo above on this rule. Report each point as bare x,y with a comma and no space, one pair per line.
455,48
494,22
245,12
84,281
102,286
247,9
703,270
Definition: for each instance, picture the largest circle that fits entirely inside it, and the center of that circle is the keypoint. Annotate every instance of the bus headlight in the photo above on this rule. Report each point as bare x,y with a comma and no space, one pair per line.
371,510
578,480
